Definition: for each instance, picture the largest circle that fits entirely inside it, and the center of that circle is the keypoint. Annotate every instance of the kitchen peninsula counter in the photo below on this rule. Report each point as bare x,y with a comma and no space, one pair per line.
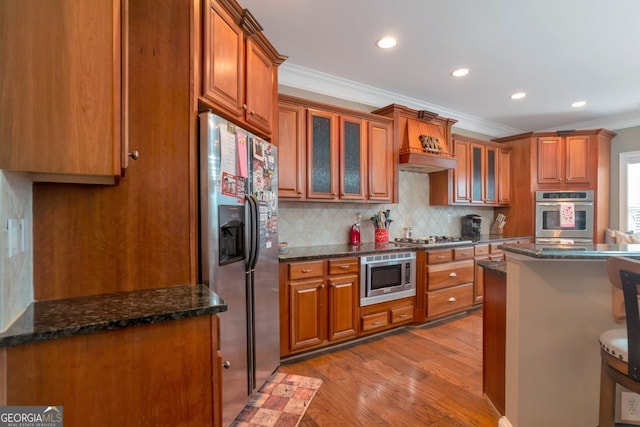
558,302
52,319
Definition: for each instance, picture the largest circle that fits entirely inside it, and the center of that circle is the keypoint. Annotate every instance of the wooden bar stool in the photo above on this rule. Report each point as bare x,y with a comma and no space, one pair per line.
620,348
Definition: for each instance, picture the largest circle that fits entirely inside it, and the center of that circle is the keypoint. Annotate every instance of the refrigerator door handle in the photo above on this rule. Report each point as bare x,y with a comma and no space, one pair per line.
254,239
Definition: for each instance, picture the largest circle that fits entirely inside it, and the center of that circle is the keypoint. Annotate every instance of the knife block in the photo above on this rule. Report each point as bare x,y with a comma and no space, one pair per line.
497,228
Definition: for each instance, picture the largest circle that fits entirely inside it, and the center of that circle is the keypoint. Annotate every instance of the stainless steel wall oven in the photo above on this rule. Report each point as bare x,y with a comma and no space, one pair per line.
564,217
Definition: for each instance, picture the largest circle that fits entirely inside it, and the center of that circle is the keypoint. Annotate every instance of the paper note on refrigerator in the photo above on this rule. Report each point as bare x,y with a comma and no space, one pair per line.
227,151
242,155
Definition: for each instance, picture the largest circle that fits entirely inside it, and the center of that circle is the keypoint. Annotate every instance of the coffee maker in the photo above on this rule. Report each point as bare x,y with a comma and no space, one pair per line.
471,226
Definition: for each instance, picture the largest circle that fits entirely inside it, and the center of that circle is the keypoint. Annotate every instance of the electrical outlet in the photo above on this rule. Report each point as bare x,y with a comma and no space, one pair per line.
630,406
448,218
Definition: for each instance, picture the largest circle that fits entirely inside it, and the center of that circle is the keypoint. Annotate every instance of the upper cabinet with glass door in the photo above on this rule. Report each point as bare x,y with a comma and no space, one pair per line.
334,154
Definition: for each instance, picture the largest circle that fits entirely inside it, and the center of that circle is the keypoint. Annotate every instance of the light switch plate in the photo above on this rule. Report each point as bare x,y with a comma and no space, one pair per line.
12,233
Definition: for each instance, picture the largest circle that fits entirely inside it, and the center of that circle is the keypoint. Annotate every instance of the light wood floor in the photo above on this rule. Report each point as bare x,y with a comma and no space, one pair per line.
429,376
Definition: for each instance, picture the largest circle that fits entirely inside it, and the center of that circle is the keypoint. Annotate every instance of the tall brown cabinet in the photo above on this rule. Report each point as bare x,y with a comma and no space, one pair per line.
113,73
559,160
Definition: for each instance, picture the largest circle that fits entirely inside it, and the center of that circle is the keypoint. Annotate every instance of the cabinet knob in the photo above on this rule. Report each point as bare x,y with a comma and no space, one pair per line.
453,274
321,286
252,113
244,106
452,299
226,365
135,155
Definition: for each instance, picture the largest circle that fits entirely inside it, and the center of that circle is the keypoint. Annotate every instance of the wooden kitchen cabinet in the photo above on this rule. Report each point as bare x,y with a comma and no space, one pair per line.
291,153
481,177
319,302
386,315
334,154
239,77
565,160
139,369
562,161
63,110
448,281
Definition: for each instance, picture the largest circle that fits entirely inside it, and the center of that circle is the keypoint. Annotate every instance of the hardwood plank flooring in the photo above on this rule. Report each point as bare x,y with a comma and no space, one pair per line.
428,376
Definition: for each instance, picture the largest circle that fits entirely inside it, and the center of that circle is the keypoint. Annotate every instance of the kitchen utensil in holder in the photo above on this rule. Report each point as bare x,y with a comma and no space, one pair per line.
382,235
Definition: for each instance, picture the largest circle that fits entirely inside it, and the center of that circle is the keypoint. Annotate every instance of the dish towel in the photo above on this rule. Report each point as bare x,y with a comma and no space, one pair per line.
567,215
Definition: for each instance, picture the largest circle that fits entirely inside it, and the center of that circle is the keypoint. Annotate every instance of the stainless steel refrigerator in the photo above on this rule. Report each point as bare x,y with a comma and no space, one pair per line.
239,253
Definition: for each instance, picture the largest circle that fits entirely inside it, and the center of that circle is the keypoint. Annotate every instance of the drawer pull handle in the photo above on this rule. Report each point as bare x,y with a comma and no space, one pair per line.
464,253
402,316
453,274
344,267
375,323
440,257
307,270
452,299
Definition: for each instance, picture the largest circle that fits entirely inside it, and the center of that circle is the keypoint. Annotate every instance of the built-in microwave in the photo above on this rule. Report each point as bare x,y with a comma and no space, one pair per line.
564,217
388,276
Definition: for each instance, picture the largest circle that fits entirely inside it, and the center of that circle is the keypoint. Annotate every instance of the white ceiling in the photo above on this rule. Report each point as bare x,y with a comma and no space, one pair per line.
558,51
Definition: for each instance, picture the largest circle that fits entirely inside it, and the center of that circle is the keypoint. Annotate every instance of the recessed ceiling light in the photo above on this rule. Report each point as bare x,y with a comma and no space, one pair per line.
518,95
460,72
579,104
386,43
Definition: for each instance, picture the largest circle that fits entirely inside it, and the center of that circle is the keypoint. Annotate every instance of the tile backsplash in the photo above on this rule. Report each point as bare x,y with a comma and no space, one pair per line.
317,223
16,273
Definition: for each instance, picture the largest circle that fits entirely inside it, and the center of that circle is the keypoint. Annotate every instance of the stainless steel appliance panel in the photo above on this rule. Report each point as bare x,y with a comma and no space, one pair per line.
548,222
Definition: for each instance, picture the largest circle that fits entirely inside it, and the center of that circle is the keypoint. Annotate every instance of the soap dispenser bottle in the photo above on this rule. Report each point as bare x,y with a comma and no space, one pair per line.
354,233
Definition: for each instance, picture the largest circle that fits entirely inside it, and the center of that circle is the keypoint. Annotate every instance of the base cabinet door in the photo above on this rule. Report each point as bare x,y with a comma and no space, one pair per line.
307,309
343,307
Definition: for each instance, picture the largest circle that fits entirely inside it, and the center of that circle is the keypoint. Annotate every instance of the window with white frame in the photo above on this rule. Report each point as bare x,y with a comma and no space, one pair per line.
630,191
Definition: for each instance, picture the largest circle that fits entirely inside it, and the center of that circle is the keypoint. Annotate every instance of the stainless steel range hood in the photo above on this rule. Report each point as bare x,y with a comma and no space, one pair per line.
425,147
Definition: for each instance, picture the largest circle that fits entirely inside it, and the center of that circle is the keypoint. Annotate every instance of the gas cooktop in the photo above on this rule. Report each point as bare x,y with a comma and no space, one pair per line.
431,241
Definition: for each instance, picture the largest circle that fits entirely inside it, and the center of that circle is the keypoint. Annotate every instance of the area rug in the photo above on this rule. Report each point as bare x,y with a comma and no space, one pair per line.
281,402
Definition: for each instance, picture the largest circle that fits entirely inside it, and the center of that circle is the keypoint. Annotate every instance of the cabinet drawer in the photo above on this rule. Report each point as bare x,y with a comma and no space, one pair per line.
402,314
344,265
449,300
463,253
305,270
482,249
449,274
494,247
440,256
374,321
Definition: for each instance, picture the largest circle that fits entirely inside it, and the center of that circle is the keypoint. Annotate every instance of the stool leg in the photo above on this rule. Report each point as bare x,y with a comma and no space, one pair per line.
607,397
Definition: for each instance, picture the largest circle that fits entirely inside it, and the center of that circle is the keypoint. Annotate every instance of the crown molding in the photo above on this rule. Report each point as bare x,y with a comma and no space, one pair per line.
314,81
620,121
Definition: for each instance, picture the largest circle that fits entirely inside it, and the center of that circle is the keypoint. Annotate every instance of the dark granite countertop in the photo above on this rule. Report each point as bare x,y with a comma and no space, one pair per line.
52,319
595,251
301,253
499,267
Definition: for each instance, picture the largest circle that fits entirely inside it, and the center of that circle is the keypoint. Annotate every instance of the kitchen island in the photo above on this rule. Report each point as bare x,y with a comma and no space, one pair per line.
558,302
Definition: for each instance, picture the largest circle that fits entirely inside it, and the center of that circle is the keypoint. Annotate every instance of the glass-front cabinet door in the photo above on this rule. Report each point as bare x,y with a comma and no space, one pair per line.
322,155
491,178
353,145
477,173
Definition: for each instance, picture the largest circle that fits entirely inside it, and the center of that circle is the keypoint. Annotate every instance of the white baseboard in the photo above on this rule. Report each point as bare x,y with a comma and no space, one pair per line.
504,422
